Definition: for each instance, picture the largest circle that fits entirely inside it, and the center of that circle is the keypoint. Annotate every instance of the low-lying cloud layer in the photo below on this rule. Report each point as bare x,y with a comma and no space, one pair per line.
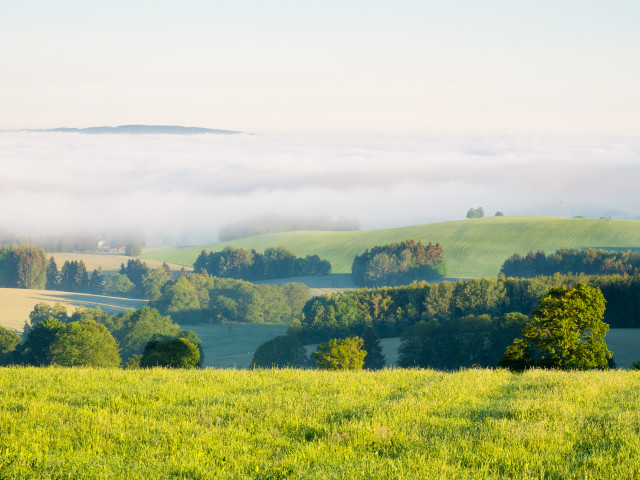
187,187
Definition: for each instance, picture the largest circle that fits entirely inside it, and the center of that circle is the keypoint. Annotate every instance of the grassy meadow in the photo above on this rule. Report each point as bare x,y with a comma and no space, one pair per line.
473,248
233,345
17,303
276,424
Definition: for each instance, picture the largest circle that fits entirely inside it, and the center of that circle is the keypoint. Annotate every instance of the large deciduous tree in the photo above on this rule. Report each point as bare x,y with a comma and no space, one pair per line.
566,332
344,354
175,353
9,340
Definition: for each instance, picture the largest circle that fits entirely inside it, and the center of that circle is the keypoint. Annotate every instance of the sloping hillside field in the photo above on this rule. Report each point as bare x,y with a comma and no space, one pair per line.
17,303
230,424
473,248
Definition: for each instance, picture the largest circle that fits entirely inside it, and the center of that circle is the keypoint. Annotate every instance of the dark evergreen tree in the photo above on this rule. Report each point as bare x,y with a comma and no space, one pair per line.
167,269
375,359
53,276
200,265
96,282
73,276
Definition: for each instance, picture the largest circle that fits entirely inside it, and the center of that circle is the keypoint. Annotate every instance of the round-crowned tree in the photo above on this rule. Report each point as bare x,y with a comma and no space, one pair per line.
566,332
175,353
9,340
86,343
340,354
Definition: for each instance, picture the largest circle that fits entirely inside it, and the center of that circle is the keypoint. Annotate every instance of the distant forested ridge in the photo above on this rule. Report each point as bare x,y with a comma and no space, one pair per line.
284,223
197,298
72,243
391,310
590,261
139,130
251,265
398,264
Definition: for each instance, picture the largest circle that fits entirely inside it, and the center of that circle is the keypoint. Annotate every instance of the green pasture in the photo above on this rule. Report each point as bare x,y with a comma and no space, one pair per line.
473,248
233,345
279,424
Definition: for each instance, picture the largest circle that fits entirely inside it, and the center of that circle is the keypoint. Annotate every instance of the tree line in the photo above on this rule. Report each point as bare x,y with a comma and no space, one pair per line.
391,310
92,337
398,264
589,261
28,267
251,265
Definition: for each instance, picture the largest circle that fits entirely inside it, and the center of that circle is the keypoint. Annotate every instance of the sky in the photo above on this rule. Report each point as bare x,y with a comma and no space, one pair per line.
409,67
392,113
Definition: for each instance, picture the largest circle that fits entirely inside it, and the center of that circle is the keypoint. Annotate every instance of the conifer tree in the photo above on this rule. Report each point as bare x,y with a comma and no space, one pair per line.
375,359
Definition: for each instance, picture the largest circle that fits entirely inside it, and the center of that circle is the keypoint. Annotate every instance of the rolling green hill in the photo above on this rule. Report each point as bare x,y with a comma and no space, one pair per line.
473,248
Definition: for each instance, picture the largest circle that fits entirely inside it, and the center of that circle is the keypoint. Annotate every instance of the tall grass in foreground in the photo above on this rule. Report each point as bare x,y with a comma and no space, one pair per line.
84,423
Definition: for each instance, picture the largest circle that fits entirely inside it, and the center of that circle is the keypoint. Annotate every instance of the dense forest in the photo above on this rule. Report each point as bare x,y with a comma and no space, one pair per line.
199,298
391,310
398,264
473,340
251,265
589,261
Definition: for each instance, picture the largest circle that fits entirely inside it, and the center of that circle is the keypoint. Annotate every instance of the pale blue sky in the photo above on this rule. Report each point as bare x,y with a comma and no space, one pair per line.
525,67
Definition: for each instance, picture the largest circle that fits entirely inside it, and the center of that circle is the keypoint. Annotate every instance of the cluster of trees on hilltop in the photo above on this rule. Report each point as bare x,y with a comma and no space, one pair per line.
196,298
398,264
251,265
281,223
135,279
90,337
590,261
28,267
391,310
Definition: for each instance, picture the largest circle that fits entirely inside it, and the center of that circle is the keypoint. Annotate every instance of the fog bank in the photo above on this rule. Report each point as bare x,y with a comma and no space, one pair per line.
184,188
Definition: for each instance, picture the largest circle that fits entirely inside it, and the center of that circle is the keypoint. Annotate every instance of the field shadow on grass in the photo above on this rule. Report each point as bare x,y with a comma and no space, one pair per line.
333,280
